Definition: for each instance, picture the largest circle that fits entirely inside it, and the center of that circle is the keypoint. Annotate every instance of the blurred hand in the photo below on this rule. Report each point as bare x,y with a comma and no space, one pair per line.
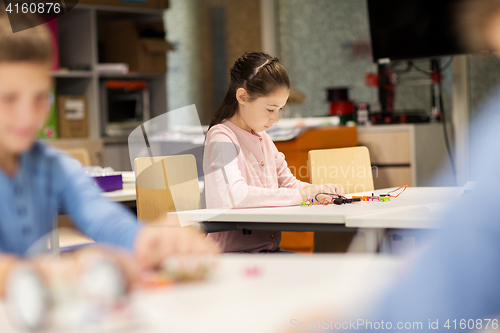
154,244
6,263
310,192
69,266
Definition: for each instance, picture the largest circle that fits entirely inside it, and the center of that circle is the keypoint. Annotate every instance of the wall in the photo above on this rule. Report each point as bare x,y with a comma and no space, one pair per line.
325,43
184,67
484,77
199,69
316,40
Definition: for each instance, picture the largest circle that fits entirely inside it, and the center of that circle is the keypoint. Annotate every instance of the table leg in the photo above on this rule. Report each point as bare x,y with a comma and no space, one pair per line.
372,238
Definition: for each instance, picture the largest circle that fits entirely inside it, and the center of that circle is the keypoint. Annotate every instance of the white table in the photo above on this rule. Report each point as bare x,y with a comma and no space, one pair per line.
128,193
285,287
331,217
424,216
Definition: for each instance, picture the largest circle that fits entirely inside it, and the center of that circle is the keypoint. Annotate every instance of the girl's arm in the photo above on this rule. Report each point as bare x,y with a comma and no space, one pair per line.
285,176
288,180
96,217
226,187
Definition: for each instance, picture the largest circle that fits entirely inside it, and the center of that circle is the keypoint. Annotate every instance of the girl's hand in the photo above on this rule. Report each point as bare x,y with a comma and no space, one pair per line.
338,190
310,192
154,244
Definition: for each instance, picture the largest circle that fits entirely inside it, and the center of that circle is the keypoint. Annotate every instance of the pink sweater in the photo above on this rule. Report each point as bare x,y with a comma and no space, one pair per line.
245,170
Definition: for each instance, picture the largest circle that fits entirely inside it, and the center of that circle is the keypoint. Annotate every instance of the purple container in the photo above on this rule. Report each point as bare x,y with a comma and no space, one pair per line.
109,183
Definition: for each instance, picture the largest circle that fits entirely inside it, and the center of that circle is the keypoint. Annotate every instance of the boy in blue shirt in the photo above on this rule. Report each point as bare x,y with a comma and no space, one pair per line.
36,181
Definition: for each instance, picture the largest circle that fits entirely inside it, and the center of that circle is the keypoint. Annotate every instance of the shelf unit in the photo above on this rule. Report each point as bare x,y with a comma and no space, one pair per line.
79,52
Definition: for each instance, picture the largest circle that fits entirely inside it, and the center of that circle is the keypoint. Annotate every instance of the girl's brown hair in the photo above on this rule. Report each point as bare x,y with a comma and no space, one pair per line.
256,72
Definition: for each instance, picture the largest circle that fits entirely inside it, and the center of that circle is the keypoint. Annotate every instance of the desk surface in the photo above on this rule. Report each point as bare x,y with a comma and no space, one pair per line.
287,287
284,287
424,216
331,214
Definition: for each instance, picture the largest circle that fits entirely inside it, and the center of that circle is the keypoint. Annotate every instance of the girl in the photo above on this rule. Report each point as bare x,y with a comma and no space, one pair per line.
242,166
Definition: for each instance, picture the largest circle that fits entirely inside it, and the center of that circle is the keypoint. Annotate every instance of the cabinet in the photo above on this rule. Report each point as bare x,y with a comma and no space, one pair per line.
413,154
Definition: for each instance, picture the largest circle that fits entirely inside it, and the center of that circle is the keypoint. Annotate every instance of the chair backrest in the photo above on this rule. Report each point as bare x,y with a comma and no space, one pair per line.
165,184
80,154
347,167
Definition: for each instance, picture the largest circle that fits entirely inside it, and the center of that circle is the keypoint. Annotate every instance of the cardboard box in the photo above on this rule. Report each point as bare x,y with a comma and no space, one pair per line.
122,43
72,116
155,4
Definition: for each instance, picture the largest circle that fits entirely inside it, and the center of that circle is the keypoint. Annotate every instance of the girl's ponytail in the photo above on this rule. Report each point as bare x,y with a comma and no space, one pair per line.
227,109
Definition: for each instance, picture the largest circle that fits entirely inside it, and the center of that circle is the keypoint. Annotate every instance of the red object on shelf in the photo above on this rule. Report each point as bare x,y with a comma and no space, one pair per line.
437,77
125,84
341,108
371,79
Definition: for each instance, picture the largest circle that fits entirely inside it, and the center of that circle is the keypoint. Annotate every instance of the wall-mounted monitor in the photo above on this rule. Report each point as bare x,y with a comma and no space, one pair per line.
411,29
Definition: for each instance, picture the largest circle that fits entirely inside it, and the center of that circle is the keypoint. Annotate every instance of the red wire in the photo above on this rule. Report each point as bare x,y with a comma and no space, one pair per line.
323,202
405,186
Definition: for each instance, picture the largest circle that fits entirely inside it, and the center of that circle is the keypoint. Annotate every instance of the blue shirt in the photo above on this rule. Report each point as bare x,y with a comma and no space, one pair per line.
48,182
458,276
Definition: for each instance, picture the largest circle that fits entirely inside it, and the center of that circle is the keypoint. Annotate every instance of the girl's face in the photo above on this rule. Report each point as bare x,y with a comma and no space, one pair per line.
260,113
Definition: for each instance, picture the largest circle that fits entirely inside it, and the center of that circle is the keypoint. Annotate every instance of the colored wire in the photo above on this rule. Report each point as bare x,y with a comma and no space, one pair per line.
330,194
323,202
404,187
326,202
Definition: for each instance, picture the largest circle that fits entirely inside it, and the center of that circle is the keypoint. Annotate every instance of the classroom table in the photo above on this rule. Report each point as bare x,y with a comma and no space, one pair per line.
423,216
124,195
331,217
128,193
264,293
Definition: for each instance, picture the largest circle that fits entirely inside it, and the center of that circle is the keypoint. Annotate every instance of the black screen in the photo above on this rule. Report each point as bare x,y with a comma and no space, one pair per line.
409,29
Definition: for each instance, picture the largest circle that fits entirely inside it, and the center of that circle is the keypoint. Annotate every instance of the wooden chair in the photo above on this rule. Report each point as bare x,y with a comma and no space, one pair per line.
69,235
349,168
94,148
296,152
165,184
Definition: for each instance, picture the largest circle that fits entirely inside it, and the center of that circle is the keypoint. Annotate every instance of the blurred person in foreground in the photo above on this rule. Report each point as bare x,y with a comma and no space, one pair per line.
37,181
454,284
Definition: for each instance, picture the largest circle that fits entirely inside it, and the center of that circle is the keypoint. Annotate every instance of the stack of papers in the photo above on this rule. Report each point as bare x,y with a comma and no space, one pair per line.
128,179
